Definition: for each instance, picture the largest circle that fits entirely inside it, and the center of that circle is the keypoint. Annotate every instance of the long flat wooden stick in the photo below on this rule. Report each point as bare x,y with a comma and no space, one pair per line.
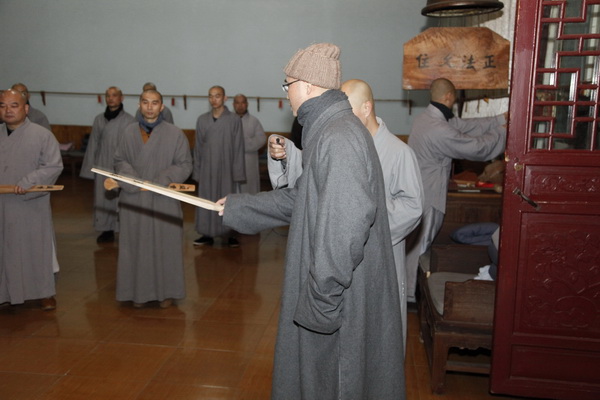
7,189
110,184
196,201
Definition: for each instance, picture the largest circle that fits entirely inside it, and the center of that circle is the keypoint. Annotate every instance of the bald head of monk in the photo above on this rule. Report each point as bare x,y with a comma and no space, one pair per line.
443,91
148,86
13,108
113,97
20,87
360,96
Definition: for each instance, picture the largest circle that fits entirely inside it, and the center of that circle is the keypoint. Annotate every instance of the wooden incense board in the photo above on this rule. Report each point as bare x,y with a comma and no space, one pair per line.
472,58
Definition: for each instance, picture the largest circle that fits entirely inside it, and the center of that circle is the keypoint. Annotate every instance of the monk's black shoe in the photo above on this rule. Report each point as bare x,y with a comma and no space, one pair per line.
106,237
202,240
233,242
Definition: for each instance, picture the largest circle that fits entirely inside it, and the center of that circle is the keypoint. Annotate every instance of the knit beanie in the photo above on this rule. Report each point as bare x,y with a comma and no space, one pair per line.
318,64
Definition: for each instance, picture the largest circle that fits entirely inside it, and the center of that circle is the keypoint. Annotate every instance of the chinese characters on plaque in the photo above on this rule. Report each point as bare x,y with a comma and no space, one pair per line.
472,58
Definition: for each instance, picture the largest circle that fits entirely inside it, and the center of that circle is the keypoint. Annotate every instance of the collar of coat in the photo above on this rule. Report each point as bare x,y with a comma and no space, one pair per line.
316,111
448,114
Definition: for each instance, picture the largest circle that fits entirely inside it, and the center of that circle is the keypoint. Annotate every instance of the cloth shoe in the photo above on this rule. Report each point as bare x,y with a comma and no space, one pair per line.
202,240
166,303
233,242
48,304
106,237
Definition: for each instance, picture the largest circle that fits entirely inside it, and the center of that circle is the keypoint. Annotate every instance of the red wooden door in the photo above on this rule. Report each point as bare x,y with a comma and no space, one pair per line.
547,321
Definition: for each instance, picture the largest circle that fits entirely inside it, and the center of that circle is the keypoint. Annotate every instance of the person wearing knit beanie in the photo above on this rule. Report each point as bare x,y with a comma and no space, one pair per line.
340,323
318,64
311,72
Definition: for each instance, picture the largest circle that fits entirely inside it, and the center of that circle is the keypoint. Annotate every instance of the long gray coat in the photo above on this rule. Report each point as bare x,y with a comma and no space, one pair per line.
150,263
254,140
219,164
100,153
29,156
340,330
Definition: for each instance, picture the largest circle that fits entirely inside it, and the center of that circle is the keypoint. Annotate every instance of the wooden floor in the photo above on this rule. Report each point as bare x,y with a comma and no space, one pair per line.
216,344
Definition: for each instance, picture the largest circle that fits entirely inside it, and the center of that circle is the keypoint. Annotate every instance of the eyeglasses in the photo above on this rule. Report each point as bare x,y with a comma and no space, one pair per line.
286,85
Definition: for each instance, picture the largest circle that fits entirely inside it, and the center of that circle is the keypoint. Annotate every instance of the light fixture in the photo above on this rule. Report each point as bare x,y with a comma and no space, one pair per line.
460,8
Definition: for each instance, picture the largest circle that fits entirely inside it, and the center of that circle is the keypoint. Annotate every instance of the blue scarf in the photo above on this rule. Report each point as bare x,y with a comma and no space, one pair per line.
148,126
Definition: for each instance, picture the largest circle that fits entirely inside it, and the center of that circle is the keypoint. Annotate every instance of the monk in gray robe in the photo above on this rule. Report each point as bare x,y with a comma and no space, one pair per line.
437,137
254,140
100,153
219,164
150,266
29,155
34,115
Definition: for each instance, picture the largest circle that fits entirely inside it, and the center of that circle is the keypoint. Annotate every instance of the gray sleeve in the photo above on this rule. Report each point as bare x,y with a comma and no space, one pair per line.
285,173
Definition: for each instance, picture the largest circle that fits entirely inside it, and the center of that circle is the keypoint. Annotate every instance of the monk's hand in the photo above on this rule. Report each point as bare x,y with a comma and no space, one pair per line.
19,190
277,147
221,202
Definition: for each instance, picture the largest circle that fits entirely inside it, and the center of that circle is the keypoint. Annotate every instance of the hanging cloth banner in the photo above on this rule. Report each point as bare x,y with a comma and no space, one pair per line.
472,58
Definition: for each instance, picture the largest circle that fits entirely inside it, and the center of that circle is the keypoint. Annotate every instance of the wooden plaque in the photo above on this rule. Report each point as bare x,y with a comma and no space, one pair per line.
472,58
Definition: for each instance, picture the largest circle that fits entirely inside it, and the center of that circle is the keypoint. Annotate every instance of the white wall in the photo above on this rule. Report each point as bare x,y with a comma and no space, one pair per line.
185,46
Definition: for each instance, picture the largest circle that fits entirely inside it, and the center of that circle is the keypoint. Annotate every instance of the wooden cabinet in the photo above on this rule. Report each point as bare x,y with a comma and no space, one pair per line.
466,208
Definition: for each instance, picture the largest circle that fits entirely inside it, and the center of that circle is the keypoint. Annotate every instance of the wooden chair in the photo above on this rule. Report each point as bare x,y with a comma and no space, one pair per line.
454,310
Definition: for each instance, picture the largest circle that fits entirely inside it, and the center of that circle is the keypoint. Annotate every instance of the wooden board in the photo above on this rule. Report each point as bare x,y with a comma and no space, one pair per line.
472,58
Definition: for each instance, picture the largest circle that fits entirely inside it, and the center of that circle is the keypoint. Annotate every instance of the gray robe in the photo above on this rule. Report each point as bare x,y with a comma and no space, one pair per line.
29,156
340,329
403,189
254,140
100,152
404,200
436,142
38,117
150,265
219,165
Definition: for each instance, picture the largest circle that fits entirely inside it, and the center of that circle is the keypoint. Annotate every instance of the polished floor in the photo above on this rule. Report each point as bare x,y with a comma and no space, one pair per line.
216,344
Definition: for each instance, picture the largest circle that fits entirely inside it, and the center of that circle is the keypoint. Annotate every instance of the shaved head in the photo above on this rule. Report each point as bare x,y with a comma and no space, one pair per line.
358,92
114,89
440,88
153,91
148,86
13,108
217,87
20,87
360,97
113,97
240,104
22,96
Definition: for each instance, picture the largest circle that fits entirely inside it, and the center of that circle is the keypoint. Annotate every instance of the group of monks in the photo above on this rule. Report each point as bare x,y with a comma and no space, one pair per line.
342,329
